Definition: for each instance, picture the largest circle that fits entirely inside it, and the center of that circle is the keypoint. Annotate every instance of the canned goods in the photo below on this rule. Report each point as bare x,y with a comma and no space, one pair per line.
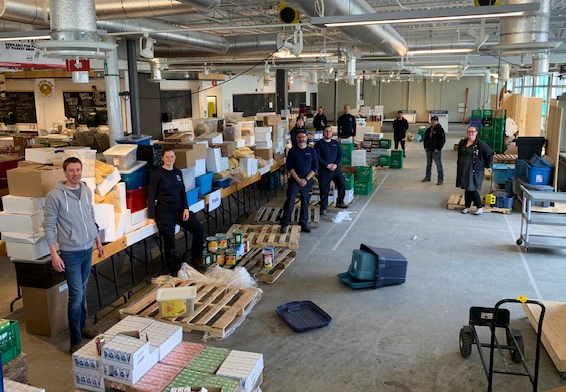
222,240
238,236
239,251
230,256
246,243
99,344
267,257
220,257
211,244
206,258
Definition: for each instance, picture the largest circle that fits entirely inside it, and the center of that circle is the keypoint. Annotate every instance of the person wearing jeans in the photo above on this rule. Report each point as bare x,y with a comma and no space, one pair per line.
69,221
433,142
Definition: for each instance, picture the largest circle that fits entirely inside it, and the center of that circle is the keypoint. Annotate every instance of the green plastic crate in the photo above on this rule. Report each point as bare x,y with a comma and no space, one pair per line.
364,173
362,188
384,143
476,113
487,113
383,160
347,148
349,177
396,153
500,114
10,346
346,160
396,162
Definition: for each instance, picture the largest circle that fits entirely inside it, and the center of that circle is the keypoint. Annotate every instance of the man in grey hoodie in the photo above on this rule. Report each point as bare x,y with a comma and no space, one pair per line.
69,221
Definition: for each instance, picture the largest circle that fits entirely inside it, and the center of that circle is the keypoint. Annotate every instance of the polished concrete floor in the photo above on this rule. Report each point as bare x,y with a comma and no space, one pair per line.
393,339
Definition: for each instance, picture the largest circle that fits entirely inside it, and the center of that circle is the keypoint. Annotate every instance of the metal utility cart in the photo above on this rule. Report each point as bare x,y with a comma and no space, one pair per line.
498,318
530,217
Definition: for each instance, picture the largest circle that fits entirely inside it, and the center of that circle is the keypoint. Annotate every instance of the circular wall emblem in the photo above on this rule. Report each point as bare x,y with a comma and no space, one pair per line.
45,88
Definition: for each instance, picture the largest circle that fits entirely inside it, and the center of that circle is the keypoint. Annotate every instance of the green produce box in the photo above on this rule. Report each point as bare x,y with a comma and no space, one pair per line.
396,153
383,160
487,113
10,345
384,143
364,174
396,162
476,113
362,188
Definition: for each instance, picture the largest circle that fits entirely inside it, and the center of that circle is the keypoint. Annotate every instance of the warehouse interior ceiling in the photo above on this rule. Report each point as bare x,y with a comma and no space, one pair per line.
235,36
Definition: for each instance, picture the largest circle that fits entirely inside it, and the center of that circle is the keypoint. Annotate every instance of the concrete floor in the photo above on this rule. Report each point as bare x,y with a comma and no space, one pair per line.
394,339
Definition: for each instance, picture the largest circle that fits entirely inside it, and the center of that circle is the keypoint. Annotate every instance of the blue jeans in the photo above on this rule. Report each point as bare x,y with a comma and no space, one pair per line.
437,157
77,271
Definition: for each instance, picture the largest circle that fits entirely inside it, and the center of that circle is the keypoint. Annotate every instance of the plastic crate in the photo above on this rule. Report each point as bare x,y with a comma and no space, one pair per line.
362,188
476,114
500,113
134,177
123,156
224,183
136,199
364,174
10,345
502,171
487,113
475,122
396,153
384,143
204,183
347,148
135,139
192,196
529,145
349,177
503,199
383,160
539,173
396,162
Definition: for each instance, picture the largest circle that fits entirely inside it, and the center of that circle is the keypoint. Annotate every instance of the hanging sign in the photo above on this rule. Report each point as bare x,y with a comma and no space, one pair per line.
214,200
24,54
78,65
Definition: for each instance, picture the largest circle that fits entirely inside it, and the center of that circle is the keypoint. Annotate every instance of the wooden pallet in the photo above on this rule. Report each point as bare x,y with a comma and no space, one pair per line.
553,327
504,158
272,215
218,308
261,235
457,202
252,262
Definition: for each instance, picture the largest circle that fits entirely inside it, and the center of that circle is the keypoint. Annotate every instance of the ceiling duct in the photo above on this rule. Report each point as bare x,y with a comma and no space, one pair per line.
25,11
351,68
73,31
383,37
129,9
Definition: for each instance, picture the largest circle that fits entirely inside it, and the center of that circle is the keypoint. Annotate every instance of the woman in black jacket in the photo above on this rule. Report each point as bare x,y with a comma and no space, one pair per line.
474,156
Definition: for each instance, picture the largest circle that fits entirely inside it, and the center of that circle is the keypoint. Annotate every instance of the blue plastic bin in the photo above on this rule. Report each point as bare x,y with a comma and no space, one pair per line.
225,183
204,183
520,168
502,171
192,196
135,139
503,199
539,172
134,177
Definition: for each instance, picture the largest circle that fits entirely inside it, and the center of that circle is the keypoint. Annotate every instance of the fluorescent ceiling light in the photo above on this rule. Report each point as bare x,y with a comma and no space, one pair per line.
438,51
427,16
439,66
31,38
287,54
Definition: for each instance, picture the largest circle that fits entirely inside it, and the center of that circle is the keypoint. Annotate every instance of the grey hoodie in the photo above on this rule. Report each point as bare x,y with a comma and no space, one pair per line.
68,220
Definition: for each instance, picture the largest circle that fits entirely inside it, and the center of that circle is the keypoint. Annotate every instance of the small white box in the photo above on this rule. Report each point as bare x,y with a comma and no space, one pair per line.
263,136
140,234
104,215
27,251
89,380
245,366
250,140
139,225
224,163
198,206
164,336
123,156
22,204
349,197
126,359
176,301
40,155
22,223
22,238
200,167
264,145
139,216
189,177
240,143
87,358
109,182
249,166
213,156
91,183
211,138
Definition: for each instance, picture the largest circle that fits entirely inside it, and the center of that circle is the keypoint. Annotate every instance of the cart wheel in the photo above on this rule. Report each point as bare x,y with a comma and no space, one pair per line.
466,342
515,354
519,241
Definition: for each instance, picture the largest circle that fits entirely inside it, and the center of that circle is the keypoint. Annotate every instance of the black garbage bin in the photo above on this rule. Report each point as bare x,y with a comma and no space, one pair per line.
529,145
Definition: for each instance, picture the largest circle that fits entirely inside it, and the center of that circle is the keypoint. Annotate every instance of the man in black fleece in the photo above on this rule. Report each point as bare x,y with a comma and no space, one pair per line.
329,157
167,206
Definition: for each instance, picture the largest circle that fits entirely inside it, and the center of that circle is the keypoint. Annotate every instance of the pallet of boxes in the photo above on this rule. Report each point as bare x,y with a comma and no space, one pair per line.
379,152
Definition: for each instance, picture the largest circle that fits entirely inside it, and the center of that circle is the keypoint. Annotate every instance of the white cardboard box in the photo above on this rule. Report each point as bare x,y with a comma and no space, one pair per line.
22,223
249,166
262,136
27,251
213,160
40,155
198,206
139,216
109,182
250,140
139,234
164,336
224,163
89,380
22,204
245,366
91,183
104,215
138,359
263,145
200,167
22,238
189,177
349,197
240,142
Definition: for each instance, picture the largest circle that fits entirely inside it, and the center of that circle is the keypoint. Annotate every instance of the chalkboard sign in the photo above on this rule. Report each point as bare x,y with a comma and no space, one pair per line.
22,104
86,107
251,104
176,102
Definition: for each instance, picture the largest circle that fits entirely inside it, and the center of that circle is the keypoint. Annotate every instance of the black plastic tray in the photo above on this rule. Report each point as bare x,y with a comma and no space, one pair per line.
302,316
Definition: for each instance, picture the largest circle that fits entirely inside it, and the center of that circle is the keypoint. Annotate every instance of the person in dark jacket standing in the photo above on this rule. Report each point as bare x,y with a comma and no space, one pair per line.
329,157
69,221
302,164
167,206
346,124
433,142
400,126
320,121
474,156
299,126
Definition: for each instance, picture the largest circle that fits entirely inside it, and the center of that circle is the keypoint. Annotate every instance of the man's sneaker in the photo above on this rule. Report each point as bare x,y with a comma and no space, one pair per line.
479,211
283,229
75,347
323,212
439,182
466,211
425,180
305,229
341,205
89,333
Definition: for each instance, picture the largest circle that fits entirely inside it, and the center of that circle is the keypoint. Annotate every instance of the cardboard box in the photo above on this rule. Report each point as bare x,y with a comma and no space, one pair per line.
91,183
34,181
187,154
176,301
245,366
27,251
249,166
119,191
250,140
89,380
265,153
139,216
139,234
45,310
22,223
264,145
109,182
40,155
272,120
22,238
104,215
213,163
227,148
199,148
164,336
177,137
200,167
189,178
211,138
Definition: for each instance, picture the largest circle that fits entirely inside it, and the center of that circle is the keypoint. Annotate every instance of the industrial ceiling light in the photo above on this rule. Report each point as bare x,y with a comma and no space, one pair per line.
286,53
427,16
439,66
438,51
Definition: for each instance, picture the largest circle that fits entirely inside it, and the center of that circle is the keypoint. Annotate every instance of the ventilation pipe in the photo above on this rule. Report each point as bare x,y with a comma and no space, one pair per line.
351,68
504,72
